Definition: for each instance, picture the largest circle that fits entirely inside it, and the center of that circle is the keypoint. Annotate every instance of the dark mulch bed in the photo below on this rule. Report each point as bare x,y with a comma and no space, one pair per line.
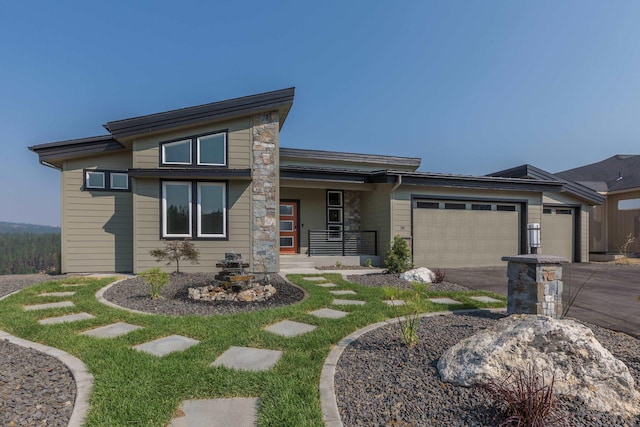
379,280
134,294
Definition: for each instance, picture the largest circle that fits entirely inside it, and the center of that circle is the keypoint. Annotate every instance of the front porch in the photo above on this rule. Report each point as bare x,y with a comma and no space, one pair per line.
305,261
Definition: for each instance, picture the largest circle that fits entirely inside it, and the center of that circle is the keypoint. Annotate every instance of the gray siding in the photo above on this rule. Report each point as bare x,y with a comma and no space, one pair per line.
96,225
375,208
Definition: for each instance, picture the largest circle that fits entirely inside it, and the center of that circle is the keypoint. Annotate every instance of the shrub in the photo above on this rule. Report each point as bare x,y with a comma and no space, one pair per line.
525,398
624,248
176,250
440,276
398,258
156,279
367,263
410,323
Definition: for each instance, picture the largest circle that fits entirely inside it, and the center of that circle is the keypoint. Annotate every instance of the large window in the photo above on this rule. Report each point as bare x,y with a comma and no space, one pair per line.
179,208
201,150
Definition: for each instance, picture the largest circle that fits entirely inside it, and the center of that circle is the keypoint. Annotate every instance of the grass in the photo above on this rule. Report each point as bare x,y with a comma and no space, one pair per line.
134,388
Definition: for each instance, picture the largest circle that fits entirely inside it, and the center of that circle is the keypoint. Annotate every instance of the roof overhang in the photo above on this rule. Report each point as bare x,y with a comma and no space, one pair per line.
54,153
192,173
336,156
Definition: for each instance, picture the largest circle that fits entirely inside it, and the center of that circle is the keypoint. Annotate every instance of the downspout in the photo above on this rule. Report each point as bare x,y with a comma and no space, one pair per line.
391,200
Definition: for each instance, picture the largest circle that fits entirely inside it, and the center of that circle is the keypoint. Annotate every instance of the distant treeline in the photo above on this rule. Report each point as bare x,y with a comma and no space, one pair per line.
22,253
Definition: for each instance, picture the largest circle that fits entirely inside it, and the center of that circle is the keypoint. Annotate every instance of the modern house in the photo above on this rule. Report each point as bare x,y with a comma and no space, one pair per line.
216,174
618,179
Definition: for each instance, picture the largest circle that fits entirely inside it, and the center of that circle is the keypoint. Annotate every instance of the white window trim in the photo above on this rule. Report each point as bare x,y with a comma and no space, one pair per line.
164,208
166,144
224,209
329,192
89,173
287,246
113,187
224,149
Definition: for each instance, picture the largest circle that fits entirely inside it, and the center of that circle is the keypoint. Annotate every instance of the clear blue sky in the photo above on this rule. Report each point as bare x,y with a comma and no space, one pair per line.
470,86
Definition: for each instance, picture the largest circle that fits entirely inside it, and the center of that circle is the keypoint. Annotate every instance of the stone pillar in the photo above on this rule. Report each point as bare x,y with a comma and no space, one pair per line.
351,211
265,191
535,284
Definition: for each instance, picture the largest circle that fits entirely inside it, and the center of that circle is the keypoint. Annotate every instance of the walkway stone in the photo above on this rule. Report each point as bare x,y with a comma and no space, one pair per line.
68,318
348,302
485,299
326,285
112,331
289,328
48,305
328,313
444,301
56,294
163,346
248,359
234,411
395,302
72,285
343,292
314,278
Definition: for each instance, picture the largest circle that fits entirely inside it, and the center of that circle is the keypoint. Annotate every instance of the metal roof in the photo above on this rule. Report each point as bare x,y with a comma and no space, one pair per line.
299,153
54,152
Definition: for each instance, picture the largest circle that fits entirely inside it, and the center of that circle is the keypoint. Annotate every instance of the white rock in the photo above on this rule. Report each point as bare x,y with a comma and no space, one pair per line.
564,348
422,275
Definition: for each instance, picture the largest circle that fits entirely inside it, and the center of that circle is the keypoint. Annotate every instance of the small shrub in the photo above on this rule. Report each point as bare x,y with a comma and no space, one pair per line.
410,323
525,398
624,248
367,263
176,250
398,258
440,276
156,279
338,264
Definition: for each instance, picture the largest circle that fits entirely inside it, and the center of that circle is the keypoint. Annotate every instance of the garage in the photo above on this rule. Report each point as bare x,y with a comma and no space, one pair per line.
456,233
558,231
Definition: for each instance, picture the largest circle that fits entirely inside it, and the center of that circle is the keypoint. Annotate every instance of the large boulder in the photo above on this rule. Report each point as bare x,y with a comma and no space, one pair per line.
422,275
564,349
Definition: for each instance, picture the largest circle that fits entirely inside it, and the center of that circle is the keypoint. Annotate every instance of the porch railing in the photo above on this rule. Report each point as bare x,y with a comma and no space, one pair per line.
331,242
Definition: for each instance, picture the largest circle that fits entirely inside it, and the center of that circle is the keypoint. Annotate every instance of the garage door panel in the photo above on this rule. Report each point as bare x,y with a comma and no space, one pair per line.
558,233
454,238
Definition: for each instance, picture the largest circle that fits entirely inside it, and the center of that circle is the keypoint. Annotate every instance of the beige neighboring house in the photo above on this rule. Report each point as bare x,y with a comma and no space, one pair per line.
216,174
618,179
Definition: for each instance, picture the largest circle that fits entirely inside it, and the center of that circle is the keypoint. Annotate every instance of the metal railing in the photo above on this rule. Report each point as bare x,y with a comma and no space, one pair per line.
332,242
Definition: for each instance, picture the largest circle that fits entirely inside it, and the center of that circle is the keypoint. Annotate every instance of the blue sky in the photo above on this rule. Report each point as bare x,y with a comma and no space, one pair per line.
470,87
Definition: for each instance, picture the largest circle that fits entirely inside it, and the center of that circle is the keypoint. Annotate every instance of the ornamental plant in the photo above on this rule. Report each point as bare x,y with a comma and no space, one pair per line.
176,250
398,258
156,279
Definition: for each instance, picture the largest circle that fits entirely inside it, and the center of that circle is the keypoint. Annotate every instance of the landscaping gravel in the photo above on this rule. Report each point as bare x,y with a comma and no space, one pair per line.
134,294
35,389
14,282
393,280
379,381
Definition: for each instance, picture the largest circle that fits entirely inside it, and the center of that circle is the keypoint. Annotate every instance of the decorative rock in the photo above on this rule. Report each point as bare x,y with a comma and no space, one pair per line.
422,275
255,292
563,348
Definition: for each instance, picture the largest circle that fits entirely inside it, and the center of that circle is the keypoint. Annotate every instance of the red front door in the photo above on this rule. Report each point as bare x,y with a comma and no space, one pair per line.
289,227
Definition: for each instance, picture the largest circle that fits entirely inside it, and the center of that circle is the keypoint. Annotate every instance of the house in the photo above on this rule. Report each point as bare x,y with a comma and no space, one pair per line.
216,174
618,179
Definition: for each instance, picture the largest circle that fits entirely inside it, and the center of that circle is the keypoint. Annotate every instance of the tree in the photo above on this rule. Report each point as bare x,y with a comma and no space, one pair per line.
176,250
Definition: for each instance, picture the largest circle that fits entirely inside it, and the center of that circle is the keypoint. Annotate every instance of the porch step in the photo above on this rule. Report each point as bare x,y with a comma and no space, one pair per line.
296,261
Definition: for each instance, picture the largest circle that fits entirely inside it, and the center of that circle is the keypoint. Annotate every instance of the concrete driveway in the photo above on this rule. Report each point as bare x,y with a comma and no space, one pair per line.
610,297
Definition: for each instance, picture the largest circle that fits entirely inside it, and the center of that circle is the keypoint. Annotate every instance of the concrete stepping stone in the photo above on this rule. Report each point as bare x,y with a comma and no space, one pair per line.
112,331
485,299
342,292
224,412
163,346
326,285
395,302
68,318
444,301
72,285
348,302
248,359
56,294
289,328
328,313
48,305
314,278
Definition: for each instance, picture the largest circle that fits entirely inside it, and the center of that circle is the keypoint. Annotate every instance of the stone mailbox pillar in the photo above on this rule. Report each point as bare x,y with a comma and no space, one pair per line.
535,284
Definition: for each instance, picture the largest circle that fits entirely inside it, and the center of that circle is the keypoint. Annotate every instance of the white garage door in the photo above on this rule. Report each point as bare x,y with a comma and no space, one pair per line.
558,232
464,234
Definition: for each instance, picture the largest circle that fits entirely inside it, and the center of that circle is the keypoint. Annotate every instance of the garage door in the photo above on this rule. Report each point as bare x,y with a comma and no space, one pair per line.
558,232
464,234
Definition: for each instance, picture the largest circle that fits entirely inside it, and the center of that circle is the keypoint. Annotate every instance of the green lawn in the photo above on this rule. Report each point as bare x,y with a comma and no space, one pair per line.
134,388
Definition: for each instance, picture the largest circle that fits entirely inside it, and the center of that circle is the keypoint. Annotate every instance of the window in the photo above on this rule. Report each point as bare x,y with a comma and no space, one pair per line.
200,150
334,198
180,210
94,179
480,207
334,232
628,204
506,208
427,205
547,211
459,206
286,210
334,215
286,242
286,225
105,180
563,211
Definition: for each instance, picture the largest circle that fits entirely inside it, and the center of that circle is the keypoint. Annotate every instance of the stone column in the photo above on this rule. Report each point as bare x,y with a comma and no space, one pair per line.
535,284
265,191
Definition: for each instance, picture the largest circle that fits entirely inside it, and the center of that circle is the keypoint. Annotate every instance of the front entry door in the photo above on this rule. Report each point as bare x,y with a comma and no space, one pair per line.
289,236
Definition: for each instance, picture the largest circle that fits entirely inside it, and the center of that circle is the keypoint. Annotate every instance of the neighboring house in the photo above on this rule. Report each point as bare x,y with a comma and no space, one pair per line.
617,178
216,174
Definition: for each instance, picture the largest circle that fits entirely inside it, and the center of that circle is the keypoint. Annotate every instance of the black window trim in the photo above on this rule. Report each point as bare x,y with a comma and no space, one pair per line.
107,180
193,140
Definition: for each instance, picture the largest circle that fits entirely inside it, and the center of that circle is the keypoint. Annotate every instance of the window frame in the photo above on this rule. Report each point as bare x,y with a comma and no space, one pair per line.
113,187
224,149
198,204
163,200
106,180
87,174
194,150
163,152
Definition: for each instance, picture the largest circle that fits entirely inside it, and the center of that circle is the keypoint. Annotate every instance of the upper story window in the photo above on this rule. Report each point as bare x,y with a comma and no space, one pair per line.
105,180
201,150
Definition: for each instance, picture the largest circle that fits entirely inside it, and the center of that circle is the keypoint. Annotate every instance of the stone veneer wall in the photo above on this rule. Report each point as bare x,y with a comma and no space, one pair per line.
264,191
351,211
